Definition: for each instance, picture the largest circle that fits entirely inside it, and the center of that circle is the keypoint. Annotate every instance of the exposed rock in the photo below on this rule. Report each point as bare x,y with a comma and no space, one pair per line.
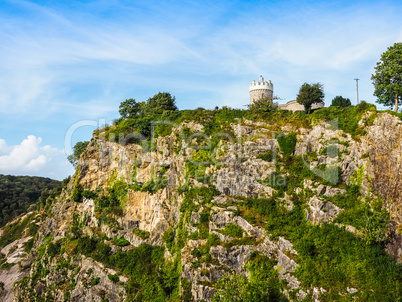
233,258
320,211
236,175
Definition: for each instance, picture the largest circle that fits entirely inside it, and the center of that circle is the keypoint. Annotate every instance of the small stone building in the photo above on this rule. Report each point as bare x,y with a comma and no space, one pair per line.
295,106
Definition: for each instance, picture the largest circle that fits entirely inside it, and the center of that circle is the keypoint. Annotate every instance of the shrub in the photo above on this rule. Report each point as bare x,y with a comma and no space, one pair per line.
233,230
330,175
121,241
53,249
76,194
196,253
168,238
140,233
28,245
276,181
247,240
89,194
331,151
95,281
268,156
287,143
213,240
204,217
113,278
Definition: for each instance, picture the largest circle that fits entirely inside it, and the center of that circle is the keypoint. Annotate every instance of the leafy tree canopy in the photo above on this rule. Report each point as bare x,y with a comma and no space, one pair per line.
341,101
387,79
159,103
78,149
310,94
129,108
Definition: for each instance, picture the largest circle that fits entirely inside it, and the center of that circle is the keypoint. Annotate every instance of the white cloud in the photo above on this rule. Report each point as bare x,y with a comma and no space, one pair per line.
30,158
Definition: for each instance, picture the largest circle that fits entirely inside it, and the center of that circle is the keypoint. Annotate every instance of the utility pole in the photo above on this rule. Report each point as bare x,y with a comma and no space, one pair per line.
357,90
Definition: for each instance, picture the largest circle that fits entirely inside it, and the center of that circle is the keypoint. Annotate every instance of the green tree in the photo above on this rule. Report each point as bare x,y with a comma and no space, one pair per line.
78,149
129,108
163,101
341,101
387,79
264,105
310,94
236,288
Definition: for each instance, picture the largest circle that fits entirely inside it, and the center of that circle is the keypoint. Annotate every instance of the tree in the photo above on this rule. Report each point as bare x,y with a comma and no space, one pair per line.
310,94
78,149
264,105
387,79
163,101
341,102
129,108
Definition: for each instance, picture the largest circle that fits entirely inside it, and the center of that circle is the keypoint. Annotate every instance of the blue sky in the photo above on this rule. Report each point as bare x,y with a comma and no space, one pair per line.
69,63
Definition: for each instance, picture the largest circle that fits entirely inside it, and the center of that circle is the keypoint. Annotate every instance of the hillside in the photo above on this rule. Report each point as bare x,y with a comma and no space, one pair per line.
224,205
19,194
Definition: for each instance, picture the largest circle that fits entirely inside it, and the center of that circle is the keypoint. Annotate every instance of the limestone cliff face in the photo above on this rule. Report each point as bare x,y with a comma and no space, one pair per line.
384,141
154,204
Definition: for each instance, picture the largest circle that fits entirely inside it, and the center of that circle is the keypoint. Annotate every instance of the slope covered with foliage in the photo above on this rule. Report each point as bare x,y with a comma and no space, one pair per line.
19,194
148,216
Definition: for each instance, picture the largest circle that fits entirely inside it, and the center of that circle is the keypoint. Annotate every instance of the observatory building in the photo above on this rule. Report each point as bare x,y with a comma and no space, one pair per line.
260,90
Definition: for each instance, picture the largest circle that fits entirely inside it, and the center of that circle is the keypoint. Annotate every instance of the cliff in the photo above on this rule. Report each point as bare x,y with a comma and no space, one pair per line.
286,209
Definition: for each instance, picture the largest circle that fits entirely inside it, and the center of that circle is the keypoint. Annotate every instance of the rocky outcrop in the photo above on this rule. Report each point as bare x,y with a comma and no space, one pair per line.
237,173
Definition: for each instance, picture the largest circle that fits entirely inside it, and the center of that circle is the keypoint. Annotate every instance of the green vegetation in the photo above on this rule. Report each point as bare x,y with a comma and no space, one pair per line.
264,284
329,256
148,280
95,281
263,105
268,156
287,143
341,101
114,278
232,230
310,94
139,120
15,230
387,78
141,233
331,151
121,241
129,108
19,194
346,119
78,149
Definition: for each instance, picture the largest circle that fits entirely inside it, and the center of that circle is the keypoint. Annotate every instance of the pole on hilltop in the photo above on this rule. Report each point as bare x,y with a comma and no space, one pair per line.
357,90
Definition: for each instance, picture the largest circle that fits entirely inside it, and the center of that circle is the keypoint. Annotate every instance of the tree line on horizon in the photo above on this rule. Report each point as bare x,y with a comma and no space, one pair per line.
21,194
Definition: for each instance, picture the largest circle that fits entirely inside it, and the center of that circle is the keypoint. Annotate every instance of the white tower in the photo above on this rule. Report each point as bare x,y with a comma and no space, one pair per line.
261,89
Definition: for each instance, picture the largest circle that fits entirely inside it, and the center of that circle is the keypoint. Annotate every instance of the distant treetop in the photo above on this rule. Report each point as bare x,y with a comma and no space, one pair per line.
341,101
387,79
